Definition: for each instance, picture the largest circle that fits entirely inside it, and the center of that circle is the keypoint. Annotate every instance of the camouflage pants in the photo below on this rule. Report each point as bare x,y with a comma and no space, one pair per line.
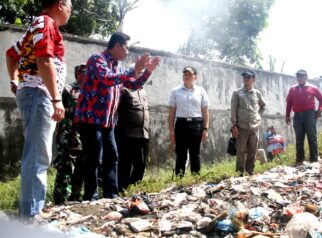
69,177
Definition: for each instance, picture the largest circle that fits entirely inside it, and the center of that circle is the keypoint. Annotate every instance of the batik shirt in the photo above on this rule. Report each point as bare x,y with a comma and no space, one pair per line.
99,98
42,38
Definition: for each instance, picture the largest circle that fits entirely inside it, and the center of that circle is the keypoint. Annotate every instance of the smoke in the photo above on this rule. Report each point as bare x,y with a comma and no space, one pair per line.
168,24
193,13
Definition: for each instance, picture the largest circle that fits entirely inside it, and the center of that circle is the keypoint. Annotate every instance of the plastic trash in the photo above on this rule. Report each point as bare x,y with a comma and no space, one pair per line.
239,219
293,209
302,224
137,206
224,225
257,213
276,197
82,232
140,225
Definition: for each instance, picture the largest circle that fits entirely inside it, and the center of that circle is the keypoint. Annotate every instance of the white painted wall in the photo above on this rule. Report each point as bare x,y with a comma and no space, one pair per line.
218,79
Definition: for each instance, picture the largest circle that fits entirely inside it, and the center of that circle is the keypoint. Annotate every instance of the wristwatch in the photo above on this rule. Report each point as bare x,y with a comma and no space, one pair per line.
205,129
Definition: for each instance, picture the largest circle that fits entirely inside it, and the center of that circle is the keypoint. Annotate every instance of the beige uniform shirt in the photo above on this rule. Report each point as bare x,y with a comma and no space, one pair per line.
247,108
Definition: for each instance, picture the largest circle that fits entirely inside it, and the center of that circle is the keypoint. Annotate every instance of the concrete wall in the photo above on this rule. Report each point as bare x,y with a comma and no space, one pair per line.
219,80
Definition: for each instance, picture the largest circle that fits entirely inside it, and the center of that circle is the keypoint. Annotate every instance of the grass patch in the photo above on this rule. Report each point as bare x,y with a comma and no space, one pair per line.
9,195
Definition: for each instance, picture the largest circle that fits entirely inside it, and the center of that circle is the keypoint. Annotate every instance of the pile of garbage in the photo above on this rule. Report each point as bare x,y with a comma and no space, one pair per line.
282,202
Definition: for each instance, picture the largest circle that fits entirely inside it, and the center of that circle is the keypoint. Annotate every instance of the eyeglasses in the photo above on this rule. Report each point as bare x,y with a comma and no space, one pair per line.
68,4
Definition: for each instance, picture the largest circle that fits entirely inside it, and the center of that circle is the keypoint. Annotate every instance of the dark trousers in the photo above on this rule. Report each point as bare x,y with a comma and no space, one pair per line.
99,146
188,138
133,154
305,123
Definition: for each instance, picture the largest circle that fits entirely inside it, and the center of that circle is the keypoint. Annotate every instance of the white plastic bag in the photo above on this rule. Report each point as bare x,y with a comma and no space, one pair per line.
301,224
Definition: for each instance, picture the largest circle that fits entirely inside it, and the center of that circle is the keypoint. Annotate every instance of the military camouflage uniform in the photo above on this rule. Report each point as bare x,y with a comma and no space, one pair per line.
69,160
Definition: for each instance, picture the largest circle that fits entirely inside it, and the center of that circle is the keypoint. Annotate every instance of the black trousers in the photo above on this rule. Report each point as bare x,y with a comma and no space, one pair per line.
133,154
99,146
188,138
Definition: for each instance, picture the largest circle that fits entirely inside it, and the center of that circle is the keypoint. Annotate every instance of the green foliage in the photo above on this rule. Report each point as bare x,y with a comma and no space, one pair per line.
228,31
15,11
9,195
89,17
92,17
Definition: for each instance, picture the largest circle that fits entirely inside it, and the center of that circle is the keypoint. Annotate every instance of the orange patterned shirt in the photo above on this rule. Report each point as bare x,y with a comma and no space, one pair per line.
42,38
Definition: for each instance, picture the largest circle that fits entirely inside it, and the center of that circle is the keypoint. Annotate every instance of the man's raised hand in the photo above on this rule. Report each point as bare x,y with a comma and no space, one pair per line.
154,62
141,62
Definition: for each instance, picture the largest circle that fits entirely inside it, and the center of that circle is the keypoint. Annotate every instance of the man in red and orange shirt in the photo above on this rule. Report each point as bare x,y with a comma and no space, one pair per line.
300,99
37,71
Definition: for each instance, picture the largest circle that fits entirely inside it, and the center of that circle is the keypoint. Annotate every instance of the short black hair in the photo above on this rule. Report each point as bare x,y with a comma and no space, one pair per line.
78,68
118,37
49,3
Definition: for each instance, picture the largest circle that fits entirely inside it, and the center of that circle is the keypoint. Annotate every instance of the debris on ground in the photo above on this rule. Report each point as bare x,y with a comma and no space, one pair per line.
282,202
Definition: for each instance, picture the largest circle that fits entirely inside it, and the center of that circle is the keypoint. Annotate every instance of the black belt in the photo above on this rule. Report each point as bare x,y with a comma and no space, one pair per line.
310,110
189,119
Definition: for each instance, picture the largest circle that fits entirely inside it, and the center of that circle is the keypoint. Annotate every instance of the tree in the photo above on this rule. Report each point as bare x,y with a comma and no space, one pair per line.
227,30
123,7
18,11
89,17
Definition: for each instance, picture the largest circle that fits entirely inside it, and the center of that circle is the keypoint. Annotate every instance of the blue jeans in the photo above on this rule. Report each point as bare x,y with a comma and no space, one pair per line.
36,111
305,123
99,147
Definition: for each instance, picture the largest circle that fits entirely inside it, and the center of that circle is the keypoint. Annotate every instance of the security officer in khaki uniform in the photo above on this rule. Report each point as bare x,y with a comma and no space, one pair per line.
247,107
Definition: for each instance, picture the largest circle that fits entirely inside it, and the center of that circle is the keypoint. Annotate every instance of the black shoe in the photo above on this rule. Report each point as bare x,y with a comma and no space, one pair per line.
298,163
74,199
111,195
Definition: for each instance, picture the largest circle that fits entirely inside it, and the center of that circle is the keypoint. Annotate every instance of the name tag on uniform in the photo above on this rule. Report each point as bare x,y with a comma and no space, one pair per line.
241,93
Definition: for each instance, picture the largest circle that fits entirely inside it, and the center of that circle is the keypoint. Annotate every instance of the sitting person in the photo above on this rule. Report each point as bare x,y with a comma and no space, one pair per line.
275,143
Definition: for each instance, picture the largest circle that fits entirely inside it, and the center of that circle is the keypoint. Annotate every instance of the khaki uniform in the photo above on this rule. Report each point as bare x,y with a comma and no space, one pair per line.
246,110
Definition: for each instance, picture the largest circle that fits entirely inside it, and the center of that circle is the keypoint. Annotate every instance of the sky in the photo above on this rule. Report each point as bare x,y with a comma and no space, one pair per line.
293,36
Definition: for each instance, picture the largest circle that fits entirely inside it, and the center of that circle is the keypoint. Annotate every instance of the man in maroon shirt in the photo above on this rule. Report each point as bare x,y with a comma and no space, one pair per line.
300,99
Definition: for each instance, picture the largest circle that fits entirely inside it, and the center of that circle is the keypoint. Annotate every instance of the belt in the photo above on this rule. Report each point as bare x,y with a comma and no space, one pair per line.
189,119
310,110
